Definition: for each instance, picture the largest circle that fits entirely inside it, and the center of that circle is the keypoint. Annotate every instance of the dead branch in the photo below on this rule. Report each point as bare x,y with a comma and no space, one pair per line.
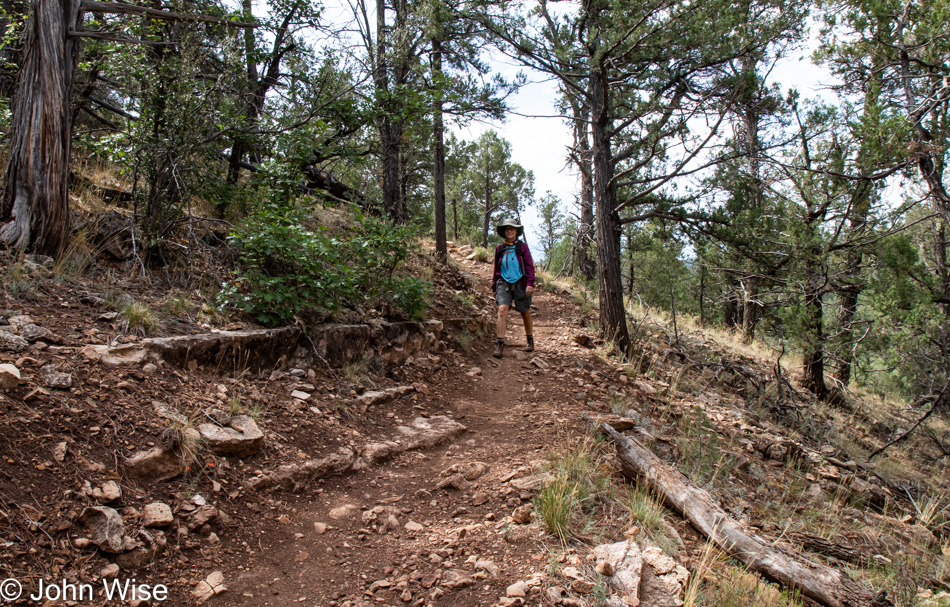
823,584
819,545
934,399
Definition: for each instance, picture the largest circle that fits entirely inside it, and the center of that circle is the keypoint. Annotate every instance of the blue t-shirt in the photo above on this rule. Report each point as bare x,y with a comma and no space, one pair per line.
510,268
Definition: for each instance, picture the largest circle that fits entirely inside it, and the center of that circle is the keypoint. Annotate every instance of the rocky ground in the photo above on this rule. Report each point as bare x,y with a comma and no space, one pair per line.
412,485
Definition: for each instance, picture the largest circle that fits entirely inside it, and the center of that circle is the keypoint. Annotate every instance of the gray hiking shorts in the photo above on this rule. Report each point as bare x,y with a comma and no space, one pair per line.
506,292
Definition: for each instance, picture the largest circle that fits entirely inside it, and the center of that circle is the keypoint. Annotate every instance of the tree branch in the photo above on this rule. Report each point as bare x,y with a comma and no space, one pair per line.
121,8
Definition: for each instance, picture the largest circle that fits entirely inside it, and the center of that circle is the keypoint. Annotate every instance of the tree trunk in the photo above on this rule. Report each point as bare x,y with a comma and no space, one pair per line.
702,295
488,207
730,310
750,296
586,264
849,292
827,586
455,221
35,203
438,167
632,276
388,141
942,274
613,317
813,343
238,146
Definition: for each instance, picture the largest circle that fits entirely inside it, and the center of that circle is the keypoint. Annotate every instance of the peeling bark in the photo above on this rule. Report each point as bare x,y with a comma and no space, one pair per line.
35,204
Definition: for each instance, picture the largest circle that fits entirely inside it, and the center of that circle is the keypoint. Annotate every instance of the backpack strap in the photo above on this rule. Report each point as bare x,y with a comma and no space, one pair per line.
520,255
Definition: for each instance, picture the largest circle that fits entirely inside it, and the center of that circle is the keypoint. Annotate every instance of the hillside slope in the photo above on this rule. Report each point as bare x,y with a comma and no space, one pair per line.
415,484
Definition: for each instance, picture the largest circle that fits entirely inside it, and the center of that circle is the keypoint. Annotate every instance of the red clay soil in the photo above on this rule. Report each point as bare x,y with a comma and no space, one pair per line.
268,546
515,413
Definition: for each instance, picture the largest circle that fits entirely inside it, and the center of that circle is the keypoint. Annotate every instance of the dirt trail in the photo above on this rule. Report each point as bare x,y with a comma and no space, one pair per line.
514,412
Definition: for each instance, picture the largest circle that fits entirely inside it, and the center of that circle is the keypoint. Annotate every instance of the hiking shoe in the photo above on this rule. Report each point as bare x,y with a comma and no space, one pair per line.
498,350
530,346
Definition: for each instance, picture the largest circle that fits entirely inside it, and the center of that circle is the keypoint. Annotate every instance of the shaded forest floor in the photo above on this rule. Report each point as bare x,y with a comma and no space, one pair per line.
467,521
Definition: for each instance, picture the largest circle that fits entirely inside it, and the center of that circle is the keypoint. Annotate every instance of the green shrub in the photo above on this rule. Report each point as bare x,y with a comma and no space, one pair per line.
556,503
411,295
286,268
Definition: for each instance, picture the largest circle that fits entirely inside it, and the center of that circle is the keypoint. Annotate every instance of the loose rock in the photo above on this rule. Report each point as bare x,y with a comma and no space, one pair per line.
664,580
12,343
210,586
56,379
32,332
157,514
626,560
241,439
518,589
343,511
454,579
155,465
106,529
202,516
109,492
522,515
9,377
59,452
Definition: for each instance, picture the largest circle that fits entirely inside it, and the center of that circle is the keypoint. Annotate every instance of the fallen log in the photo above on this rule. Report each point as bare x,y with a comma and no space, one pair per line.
823,584
837,550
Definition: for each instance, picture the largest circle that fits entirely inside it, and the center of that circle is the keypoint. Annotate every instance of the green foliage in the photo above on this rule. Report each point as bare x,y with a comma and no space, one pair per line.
556,504
701,457
904,355
483,180
552,225
411,295
645,509
736,587
482,254
287,268
576,482
654,265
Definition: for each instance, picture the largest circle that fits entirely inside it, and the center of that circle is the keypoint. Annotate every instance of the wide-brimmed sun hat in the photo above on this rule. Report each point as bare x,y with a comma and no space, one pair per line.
509,223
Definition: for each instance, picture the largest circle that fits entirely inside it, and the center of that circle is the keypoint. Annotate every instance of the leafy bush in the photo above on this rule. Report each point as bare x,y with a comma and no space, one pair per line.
411,295
286,268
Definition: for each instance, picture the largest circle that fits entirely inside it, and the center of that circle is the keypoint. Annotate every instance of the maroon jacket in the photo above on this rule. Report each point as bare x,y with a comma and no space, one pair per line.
527,265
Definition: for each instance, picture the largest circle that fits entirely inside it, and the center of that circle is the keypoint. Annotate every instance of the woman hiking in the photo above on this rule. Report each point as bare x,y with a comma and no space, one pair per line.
513,282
